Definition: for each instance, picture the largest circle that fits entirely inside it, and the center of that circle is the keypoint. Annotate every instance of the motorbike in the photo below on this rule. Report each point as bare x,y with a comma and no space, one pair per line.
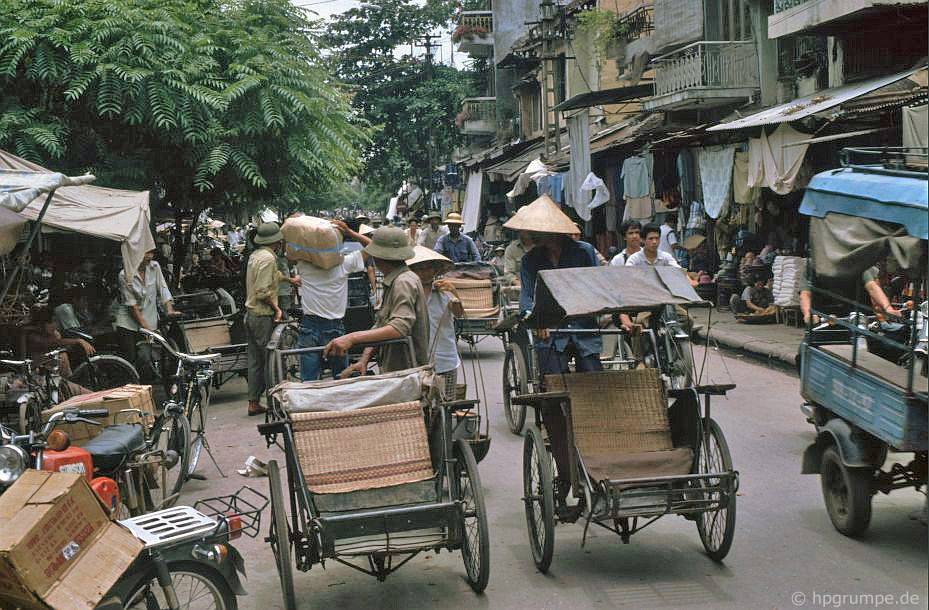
188,556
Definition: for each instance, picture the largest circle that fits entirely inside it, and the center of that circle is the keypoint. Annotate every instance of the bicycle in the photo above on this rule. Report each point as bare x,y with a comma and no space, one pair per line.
37,393
183,418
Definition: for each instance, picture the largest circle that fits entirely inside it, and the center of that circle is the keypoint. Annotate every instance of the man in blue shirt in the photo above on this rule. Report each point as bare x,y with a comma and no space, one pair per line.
455,245
554,248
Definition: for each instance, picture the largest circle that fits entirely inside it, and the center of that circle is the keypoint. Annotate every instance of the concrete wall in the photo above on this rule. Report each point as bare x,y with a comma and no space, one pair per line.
510,17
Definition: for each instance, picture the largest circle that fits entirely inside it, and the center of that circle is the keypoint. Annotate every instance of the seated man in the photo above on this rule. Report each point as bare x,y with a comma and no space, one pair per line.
42,336
755,298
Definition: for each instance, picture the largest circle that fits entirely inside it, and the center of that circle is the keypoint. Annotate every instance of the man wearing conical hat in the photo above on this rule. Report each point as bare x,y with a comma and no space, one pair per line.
455,245
554,248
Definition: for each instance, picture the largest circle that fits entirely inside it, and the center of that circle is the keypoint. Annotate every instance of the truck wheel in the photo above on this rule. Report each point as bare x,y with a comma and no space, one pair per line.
847,493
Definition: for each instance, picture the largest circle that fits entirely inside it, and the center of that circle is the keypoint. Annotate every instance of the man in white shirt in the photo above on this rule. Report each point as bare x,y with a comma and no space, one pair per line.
324,297
632,230
650,254
430,234
668,240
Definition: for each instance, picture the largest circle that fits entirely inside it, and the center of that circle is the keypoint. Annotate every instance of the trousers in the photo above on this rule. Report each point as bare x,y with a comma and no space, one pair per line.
317,332
258,331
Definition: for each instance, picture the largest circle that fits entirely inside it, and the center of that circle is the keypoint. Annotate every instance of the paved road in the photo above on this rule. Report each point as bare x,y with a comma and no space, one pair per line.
786,553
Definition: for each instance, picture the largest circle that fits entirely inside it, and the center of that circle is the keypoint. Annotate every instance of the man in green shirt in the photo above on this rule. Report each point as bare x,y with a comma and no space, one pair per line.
261,304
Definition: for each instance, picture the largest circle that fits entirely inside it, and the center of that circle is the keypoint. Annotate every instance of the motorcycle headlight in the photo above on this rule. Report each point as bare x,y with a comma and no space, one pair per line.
13,461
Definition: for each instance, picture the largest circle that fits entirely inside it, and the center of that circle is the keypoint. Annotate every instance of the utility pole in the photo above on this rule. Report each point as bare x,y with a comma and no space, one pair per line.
548,25
428,45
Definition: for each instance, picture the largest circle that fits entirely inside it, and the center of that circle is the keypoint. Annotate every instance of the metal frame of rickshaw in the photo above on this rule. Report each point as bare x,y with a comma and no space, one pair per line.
895,418
692,495
312,536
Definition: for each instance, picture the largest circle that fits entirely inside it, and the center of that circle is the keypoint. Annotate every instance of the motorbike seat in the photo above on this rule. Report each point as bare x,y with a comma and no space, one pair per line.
114,444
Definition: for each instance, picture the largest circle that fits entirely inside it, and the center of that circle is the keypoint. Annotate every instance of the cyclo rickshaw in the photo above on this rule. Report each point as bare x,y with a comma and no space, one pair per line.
865,387
639,445
375,476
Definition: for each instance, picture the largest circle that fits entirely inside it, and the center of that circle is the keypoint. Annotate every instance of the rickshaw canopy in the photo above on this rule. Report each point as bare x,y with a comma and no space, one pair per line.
859,216
588,291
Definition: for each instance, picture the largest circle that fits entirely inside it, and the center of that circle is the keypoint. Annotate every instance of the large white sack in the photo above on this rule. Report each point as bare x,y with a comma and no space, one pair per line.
313,240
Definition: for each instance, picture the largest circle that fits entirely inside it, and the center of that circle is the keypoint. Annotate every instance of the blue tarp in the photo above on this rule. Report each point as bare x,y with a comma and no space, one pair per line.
863,194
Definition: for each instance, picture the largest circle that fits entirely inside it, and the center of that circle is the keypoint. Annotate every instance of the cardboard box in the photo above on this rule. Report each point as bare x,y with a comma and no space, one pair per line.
201,336
113,400
58,548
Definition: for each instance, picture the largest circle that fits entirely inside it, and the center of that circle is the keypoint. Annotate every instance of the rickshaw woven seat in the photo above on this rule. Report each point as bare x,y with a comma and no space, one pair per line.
616,412
369,448
477,297
613,467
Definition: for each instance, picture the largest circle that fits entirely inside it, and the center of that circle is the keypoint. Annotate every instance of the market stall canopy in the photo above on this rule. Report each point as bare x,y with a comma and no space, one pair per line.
18,188
590,291
113,214
813,104
859,216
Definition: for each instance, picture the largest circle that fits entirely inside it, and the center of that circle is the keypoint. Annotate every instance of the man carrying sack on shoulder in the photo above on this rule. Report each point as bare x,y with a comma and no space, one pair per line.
262,310
403,312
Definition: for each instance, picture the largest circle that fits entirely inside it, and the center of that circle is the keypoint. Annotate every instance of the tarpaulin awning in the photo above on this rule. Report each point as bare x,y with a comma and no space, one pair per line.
616,95
813,104
18,188
113,214
900,200
629,132
588,291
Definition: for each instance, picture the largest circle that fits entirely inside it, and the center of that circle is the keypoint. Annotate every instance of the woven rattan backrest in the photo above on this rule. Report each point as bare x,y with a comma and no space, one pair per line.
342,451
616,411
475,294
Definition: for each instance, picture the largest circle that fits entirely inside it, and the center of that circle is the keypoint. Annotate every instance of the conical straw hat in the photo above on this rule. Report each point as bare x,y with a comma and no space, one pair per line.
541,216
422,254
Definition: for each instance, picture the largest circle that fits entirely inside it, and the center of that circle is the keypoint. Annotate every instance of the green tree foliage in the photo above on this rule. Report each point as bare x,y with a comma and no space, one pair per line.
373,54
215,100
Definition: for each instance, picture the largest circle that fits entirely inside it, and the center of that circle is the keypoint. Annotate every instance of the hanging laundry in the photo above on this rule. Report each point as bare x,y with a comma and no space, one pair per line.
716,176
600,193
556,187
696,219
741,191
780,163
686,179
637,179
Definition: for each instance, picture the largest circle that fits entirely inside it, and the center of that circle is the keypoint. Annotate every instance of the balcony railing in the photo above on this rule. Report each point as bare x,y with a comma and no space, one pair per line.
636,23
474,32
784,5
707,65
479,115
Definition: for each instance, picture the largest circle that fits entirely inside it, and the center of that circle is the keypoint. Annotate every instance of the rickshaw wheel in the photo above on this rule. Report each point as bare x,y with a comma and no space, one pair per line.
717,528
514,382
475,547
539,498
279,537
847,494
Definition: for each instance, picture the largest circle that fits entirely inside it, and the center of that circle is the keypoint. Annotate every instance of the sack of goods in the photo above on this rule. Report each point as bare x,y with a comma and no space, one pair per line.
313,240
788,273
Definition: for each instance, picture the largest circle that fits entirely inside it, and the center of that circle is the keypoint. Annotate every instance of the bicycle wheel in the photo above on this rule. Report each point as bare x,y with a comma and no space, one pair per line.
514,382
716,528
279,538
539,498
172,438
196,585
197,414
475,546
104,372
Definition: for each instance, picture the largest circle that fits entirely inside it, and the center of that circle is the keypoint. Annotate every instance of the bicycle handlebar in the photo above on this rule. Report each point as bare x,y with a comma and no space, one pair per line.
192,358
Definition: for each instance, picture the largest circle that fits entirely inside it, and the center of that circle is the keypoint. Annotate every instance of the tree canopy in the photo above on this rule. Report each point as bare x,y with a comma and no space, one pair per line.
394,91
213,100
